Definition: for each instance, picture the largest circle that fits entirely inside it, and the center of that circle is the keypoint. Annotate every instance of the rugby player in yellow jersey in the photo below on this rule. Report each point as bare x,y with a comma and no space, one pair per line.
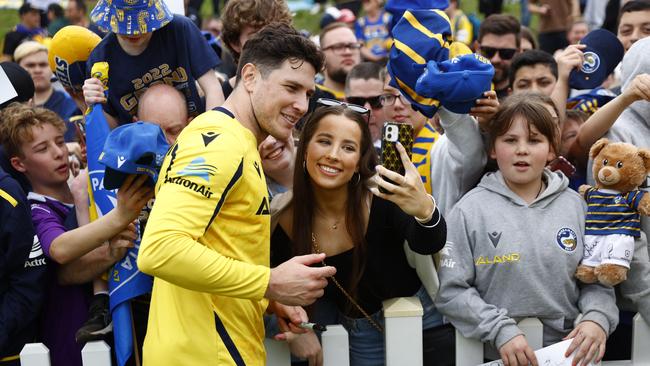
207,238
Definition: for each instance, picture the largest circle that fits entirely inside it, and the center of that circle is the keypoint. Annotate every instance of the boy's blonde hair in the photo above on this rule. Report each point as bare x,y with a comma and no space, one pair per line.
27,49
16,122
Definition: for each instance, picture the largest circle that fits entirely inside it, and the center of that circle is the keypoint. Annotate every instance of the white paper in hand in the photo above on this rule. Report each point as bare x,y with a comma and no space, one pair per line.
552,355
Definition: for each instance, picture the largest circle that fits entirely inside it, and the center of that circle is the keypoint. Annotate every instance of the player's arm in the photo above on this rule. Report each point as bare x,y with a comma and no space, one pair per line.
183,212
212,89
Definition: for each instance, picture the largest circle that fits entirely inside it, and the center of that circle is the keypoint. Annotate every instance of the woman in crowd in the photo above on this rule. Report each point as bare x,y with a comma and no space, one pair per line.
337,208
515,245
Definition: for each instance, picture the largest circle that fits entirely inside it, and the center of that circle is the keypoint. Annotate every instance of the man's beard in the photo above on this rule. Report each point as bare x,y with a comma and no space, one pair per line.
500,78
338,75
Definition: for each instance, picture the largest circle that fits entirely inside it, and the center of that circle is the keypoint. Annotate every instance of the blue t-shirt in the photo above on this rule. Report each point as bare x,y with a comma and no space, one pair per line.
177,55
63,105
374,34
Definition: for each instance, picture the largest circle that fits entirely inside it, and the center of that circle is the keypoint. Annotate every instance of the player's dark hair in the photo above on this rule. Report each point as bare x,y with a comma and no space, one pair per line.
356,206
274,44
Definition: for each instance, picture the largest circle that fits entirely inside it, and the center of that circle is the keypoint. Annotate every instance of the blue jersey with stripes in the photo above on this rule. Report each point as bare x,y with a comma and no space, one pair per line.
611,212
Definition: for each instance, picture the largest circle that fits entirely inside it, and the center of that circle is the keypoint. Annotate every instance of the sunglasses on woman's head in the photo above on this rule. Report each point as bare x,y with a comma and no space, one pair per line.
333,103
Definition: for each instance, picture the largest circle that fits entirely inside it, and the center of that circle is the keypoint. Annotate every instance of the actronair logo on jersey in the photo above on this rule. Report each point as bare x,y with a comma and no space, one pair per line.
196,168
36,258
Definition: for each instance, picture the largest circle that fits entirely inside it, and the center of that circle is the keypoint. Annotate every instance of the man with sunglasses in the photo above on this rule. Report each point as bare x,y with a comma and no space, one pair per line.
363,87
498,40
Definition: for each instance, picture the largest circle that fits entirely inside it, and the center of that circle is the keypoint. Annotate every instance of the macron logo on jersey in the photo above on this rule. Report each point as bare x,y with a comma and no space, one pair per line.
120,161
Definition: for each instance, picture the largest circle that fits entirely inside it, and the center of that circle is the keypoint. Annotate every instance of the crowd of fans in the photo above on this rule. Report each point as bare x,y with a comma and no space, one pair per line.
272,209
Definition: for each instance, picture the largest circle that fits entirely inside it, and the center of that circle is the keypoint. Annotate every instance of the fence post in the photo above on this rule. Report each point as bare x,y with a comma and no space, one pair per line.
640,341
277,353
534,332
469,351
403,331
96,353
35,354
336,346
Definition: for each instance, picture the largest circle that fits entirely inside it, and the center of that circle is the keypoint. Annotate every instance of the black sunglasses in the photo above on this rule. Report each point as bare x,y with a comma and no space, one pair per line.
374,102
504,53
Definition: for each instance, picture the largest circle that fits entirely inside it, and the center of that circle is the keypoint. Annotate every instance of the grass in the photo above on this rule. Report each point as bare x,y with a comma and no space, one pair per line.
302,20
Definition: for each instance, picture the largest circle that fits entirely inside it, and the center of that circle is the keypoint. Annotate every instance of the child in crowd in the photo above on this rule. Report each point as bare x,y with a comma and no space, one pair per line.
148,45
573,120
373,30
494,274
33,139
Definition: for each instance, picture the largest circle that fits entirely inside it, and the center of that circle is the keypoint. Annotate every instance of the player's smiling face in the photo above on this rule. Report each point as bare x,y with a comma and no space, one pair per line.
281,98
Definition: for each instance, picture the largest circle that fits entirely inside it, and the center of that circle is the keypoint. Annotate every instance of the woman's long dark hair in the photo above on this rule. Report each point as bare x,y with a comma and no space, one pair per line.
303,194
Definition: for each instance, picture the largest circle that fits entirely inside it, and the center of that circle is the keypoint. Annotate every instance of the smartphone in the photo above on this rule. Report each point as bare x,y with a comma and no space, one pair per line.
392,132
562,164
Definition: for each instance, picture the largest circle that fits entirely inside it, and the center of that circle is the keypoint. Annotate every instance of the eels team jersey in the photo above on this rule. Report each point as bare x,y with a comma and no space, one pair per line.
207,244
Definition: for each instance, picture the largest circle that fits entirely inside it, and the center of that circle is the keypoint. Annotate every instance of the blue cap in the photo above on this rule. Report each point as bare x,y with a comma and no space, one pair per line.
134,148
458,82
420,36
131,17
590,102
603,52
398,7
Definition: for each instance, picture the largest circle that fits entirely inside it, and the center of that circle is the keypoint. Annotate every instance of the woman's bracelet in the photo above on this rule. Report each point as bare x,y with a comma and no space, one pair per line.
428,218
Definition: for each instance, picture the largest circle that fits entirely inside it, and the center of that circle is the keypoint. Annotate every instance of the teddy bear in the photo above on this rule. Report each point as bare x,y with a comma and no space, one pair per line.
614,208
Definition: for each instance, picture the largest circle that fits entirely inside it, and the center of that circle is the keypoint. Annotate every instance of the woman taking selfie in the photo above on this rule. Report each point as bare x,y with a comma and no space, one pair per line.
337,208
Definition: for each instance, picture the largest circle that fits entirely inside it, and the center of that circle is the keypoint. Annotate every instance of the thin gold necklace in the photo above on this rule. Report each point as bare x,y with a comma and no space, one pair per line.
316,249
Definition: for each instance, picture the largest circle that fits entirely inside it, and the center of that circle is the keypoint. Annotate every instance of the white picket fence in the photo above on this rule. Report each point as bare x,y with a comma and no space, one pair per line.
403,329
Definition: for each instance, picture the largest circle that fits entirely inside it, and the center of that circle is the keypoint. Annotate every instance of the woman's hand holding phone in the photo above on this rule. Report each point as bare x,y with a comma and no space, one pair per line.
406,191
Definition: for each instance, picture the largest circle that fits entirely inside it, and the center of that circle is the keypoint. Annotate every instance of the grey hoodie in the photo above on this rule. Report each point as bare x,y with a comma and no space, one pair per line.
633,126
506,260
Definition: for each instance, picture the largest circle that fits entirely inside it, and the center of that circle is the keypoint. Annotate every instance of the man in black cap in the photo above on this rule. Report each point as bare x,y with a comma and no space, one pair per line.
28,28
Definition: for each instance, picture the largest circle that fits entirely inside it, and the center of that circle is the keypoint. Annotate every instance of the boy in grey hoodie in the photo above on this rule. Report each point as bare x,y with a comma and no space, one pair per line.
512,255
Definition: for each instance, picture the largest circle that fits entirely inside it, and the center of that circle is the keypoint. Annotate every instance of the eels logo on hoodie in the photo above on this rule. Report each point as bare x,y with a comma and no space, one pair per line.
567,239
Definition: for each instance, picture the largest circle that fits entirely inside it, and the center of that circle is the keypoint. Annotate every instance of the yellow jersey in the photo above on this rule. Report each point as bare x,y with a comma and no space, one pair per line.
207,244
421,153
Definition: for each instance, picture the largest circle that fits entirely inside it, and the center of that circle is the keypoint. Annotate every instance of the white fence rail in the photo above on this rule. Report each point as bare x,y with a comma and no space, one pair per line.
470,352
93,354
403,328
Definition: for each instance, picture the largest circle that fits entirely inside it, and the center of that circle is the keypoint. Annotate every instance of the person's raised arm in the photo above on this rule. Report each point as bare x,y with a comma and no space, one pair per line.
568,59
212,89
93,92
602,120
73,244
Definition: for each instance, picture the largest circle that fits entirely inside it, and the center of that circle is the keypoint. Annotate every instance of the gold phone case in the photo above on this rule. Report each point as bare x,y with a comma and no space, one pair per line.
391,133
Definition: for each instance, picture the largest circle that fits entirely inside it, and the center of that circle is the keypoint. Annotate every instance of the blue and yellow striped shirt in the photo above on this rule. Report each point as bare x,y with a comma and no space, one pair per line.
613,213
421,150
